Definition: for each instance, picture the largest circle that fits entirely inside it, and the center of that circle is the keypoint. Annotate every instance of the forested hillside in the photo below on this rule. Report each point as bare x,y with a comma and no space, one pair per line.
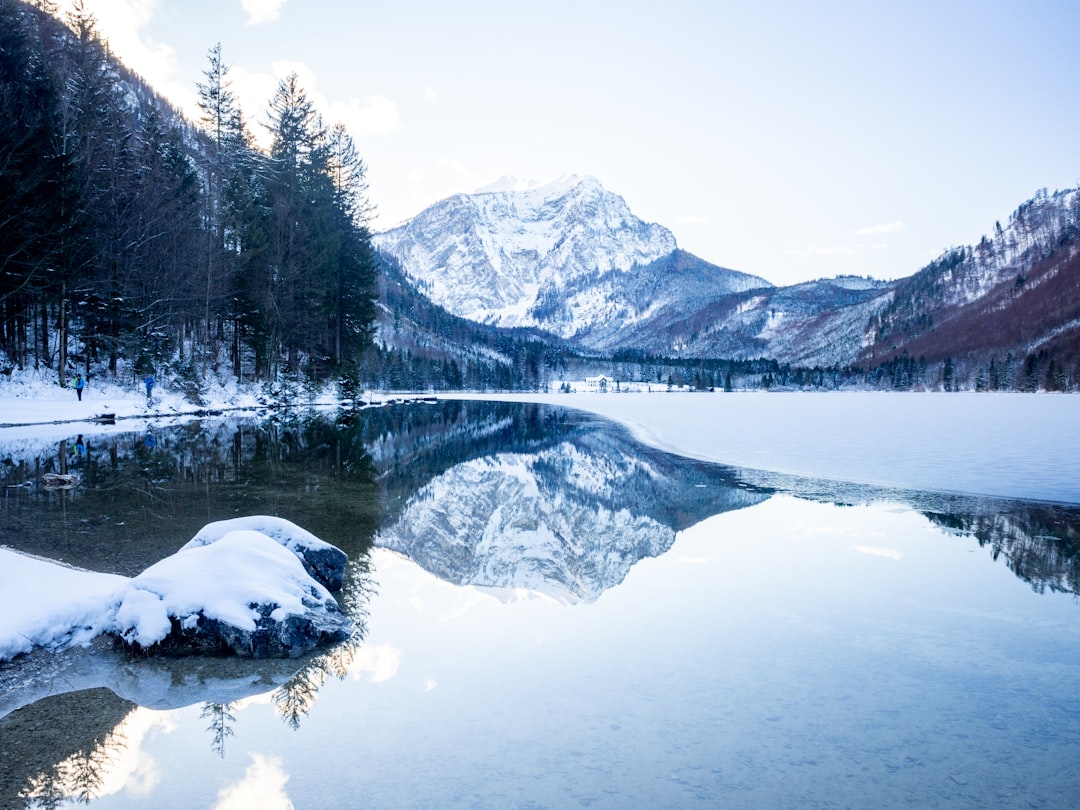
1001,315
131,238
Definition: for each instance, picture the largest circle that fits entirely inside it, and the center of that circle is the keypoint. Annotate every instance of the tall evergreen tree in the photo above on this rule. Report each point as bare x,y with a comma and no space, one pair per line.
223,123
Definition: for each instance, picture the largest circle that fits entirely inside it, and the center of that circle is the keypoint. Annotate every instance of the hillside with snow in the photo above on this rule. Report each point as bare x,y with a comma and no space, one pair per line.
1005,311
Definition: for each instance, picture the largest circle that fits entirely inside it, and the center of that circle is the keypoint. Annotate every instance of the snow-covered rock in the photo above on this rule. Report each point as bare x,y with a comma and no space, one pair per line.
245,594
241,592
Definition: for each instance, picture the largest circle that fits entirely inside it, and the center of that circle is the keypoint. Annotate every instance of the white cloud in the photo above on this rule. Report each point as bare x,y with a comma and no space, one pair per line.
429,94
253,92
888,227
376,115
262,11
808,251
120,23
263,786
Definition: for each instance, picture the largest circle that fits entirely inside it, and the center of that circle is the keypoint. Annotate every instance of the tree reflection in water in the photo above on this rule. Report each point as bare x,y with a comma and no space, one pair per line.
295,698
222,719
66,746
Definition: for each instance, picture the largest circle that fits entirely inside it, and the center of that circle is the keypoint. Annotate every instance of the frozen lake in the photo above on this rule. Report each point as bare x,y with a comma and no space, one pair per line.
1010,445
557,614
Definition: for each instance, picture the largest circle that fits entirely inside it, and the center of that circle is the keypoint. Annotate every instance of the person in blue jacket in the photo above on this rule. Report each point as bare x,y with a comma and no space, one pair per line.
149,383
80,383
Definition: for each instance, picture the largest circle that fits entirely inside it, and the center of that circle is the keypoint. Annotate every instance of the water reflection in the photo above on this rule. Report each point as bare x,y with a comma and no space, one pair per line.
499,496
1039,542
567,520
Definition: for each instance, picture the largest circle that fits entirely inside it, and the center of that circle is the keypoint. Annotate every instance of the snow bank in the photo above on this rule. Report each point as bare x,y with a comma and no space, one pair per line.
46,604
246,587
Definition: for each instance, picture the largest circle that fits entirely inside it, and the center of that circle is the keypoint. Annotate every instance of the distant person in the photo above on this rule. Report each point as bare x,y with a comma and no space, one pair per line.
149,383
150,440
80,383
80,447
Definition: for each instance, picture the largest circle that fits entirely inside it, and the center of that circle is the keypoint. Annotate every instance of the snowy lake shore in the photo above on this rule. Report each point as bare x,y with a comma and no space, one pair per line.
1024,446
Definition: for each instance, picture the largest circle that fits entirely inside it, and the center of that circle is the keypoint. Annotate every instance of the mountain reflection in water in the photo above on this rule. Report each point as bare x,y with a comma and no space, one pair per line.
501,496
567,520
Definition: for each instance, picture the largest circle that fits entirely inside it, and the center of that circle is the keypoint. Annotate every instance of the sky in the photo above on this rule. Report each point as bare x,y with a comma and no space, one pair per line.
785,139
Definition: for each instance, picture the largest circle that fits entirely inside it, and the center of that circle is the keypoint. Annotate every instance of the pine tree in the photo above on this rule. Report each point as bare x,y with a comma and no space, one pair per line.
227,143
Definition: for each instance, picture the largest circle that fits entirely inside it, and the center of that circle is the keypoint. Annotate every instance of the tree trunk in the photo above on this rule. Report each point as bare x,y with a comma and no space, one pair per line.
44,333
63,336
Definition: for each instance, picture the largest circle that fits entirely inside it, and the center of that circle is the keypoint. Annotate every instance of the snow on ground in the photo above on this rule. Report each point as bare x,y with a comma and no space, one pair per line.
29,398
36,413
46,604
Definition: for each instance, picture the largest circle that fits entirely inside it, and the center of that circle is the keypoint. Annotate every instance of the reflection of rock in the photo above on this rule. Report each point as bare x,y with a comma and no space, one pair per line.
58,748
568,521
157,683
68,729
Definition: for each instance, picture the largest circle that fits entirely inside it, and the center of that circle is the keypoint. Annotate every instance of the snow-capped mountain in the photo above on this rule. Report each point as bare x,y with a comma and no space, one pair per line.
571,259
568,257
816,323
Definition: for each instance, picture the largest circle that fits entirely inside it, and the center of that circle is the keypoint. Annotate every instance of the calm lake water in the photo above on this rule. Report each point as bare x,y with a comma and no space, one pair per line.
554,615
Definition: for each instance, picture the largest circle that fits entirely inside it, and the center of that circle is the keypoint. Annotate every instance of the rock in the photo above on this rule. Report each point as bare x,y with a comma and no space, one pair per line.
291,637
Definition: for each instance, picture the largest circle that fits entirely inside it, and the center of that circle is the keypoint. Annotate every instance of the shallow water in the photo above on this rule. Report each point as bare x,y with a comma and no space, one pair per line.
556,616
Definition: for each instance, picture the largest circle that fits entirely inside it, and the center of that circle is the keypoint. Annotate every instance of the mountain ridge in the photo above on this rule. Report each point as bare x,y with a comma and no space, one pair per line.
961,307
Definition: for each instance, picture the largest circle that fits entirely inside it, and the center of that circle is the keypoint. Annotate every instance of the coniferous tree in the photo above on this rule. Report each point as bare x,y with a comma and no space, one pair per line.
227,141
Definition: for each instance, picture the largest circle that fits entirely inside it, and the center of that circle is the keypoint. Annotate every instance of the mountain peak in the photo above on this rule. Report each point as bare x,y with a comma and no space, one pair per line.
489,256
508,184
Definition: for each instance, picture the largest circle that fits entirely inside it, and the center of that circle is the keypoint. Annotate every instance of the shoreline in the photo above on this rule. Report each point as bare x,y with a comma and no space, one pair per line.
1008,445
